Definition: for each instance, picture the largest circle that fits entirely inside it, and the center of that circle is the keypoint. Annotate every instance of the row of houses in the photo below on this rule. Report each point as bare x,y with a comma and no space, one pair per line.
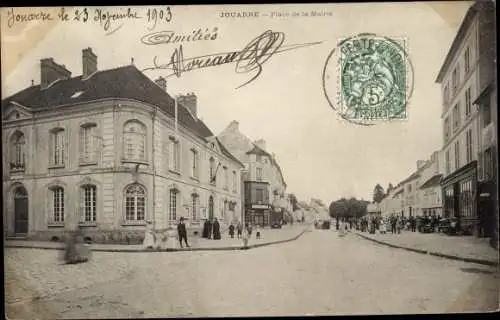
461,178
112,152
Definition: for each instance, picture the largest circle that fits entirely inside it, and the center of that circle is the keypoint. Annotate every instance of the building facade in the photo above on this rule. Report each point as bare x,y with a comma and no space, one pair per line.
265,201
112,152
429,189
460,79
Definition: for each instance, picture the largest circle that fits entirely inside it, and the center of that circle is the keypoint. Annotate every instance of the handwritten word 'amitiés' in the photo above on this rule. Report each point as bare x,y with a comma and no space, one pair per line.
168,37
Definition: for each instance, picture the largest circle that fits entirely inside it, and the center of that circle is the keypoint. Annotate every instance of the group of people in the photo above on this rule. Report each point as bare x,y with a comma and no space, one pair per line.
397,223
211,229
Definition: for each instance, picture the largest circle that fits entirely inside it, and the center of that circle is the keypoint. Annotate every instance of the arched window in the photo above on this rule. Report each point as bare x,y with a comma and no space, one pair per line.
172,212
195,203
18,156
57,204
135,203
57,146
134,139
89,202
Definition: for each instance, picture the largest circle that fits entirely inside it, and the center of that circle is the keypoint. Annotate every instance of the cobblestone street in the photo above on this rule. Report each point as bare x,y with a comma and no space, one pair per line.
319,273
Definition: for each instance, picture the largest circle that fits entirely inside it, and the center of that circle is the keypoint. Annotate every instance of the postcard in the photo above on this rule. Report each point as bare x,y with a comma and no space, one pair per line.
250,160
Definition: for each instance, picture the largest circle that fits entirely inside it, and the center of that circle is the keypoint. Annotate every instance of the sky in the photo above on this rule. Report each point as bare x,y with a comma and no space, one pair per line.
320,155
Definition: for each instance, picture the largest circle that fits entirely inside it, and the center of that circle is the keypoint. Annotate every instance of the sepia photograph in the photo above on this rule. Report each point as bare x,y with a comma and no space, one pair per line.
319,159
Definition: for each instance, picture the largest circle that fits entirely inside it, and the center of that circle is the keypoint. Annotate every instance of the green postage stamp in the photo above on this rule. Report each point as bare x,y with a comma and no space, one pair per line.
374,78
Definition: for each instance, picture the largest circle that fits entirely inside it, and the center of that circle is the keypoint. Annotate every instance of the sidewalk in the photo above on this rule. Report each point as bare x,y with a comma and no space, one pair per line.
465,248
268,237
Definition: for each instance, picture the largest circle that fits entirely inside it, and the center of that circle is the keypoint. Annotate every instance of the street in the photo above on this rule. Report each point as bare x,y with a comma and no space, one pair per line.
319,274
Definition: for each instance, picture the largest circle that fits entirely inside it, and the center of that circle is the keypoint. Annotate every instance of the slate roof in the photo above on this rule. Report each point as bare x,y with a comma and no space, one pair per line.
126,82
227,153
432,182
411,177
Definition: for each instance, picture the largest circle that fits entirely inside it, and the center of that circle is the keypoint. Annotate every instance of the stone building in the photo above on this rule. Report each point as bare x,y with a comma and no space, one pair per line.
465,75
265,201
110,151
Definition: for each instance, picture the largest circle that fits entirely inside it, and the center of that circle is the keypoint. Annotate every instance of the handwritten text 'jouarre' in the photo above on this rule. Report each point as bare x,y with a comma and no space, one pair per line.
110,19
250,59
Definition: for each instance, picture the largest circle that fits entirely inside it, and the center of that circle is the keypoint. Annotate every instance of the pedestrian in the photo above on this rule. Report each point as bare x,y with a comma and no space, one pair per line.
231,230
149,239
257,231
216,230
181,231
249,230
399,224
239,229
206,229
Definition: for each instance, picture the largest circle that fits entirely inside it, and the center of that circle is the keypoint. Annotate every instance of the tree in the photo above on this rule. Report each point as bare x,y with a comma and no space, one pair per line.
378,193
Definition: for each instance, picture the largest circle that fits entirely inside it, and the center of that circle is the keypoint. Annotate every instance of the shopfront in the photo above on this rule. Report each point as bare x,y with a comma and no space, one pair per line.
258,215
461,197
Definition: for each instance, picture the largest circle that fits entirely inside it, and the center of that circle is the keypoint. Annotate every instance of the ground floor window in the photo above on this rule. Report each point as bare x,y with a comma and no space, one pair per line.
466,203
172,212
449,202
58,204
135,203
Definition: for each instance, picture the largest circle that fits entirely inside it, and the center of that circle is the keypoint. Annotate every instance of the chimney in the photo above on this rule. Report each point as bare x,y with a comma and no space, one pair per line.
234,126
261,143
189,102
51,71
89,62
420,164
162,83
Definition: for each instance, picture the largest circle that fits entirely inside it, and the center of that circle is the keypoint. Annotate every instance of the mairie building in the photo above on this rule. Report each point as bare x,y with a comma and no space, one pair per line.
112,152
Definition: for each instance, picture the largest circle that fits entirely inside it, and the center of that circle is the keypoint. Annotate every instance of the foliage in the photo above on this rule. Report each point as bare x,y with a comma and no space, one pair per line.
344,208
378,193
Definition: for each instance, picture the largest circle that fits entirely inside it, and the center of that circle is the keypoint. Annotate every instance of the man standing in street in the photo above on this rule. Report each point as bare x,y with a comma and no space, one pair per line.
181,230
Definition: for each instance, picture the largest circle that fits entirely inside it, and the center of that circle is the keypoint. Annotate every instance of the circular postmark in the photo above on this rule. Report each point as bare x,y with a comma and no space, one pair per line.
370,77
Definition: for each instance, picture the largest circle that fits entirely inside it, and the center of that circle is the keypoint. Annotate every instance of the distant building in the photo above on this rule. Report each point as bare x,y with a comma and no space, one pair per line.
103,151
429,189
265,200
465,76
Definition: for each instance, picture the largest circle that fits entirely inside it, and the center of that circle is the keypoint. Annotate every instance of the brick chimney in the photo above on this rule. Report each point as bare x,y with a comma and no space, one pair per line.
89,62
162,83
189,102
51,71
261,143
234,126
420,164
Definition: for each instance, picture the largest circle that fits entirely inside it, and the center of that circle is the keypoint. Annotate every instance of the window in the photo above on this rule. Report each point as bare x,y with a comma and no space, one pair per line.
57,204
234,181
134,138
446,94
258,157
258,172
259,195
226,178
18,143
467,60
447,160
455,78
212,173
57,142
468,104
172,212
89,203
194,163
88,146
457,155
486,112
446,129
195,203
489,173
466,201
468,145
456,116
135,203
175,155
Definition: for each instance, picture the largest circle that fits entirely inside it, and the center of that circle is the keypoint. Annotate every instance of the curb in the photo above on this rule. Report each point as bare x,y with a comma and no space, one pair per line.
436,254
26,246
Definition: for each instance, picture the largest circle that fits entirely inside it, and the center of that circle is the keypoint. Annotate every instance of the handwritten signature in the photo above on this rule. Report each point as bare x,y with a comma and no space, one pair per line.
251,58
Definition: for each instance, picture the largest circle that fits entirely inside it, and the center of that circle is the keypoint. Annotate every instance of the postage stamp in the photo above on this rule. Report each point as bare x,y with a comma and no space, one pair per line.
374,78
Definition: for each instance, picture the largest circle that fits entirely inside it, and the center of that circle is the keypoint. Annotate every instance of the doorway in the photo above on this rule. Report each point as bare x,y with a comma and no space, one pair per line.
211,207
20,211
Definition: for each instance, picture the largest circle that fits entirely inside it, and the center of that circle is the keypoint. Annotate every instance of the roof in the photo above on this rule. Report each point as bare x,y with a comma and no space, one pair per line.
227,153
126,82
432,182
462,31
411,177
398,193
